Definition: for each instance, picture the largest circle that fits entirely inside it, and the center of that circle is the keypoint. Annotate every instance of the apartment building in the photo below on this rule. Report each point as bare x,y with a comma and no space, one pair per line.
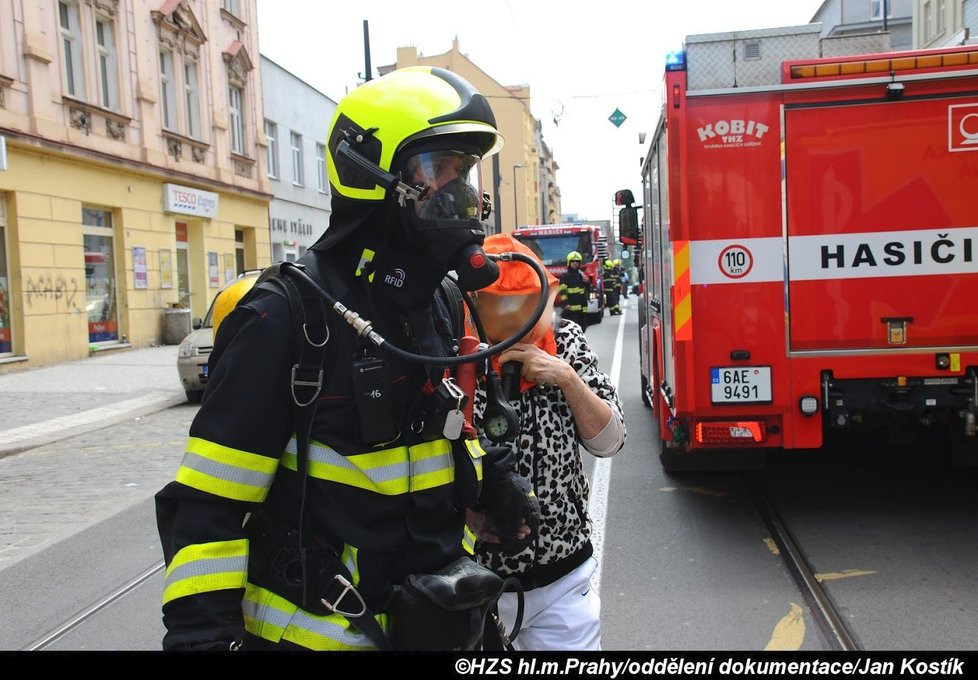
132,168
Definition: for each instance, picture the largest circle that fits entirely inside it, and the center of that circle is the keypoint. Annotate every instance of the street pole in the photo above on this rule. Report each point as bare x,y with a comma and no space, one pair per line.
516,212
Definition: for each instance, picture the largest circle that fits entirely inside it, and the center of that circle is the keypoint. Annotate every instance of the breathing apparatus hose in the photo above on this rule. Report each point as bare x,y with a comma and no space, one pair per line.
364,327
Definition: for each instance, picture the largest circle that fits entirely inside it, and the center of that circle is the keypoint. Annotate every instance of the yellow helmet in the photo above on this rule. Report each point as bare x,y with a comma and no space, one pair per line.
229,297
375,121
573,256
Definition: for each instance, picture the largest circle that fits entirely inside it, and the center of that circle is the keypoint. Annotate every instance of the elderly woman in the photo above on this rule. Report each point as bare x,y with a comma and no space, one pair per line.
565,403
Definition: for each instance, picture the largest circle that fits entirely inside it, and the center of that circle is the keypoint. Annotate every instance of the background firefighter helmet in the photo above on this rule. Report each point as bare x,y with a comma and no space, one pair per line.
416,136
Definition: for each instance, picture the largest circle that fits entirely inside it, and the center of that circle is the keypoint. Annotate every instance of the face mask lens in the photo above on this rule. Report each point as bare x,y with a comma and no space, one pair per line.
454,184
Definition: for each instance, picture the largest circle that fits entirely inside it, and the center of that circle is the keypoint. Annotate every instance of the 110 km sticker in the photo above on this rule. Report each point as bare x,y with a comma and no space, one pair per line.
735,262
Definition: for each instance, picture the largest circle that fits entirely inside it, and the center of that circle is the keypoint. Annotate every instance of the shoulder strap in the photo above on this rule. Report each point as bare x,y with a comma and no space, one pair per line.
456,305
310,330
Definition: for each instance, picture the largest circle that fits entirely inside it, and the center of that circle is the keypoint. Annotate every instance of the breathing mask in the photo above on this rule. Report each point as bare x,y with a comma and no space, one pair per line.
442,216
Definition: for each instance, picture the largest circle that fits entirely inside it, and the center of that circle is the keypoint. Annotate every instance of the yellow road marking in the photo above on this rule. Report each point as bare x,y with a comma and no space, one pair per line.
835,576
789,634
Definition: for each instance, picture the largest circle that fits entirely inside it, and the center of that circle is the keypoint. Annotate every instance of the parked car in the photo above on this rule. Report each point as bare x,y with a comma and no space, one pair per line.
196,348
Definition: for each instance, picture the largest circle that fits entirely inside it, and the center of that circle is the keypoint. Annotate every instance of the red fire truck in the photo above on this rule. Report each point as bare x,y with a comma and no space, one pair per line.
809,249
552,242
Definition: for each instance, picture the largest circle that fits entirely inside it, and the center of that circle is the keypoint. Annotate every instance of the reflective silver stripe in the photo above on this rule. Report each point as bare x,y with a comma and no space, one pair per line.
293,625
434,464
393,471
320,453
227,473
208,567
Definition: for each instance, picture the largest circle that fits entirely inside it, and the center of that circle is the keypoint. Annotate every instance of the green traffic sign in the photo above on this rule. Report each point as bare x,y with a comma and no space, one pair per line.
617,118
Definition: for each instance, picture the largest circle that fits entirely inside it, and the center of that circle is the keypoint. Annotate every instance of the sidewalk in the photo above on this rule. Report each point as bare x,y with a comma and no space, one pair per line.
43,404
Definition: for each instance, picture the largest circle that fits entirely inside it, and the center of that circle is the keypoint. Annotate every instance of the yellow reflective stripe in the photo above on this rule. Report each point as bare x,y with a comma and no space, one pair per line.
272,617
350,559
431,465
476,452
389,472
468,541
226,472
206,567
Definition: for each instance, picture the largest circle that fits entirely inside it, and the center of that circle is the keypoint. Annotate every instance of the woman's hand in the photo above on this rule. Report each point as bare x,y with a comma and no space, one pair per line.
538,366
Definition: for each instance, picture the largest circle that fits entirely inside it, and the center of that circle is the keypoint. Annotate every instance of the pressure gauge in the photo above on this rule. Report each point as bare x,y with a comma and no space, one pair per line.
499,421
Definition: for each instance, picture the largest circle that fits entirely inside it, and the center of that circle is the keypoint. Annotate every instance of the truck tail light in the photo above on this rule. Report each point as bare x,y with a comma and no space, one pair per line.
730,431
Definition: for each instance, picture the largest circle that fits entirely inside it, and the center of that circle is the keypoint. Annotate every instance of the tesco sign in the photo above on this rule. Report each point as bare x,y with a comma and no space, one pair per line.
188,201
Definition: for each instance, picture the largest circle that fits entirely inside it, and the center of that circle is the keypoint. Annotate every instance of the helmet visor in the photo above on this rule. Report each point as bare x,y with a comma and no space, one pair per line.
454,184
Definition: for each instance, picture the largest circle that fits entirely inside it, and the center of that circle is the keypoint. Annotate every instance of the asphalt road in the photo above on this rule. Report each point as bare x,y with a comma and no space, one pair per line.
686,560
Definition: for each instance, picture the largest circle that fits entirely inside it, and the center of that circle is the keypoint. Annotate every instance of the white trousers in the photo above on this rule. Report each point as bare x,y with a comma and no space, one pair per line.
564,616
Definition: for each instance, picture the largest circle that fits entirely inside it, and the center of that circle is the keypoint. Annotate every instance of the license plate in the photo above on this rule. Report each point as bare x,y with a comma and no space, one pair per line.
740,384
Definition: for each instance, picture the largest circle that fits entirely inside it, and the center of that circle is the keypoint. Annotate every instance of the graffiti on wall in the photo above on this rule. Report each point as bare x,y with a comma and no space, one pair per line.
47,287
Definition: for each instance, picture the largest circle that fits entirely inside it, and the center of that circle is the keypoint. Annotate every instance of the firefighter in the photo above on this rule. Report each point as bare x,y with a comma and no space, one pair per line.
307,501
612,286
574,290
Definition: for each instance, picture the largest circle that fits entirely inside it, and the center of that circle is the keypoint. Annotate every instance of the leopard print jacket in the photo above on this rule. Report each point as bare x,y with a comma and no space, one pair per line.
550,457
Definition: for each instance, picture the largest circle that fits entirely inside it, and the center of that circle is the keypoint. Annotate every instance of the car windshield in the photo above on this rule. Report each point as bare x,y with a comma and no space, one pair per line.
209,317
553,249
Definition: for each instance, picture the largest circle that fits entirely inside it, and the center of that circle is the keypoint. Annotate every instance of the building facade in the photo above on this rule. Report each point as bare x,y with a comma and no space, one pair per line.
512,177
944,23
297,118
853,17
132,178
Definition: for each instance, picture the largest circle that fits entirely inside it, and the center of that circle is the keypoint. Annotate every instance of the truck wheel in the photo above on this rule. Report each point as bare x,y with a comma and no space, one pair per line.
595,318
646,396
194,397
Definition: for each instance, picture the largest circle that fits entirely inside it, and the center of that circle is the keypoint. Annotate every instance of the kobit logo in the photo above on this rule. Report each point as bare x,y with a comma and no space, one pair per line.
731,133
962,134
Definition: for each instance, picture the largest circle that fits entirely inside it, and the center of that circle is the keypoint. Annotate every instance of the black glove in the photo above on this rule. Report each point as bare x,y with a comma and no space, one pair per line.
507,500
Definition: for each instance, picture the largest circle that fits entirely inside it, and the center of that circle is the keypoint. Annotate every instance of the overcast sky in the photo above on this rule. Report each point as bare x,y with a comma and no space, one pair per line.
581,59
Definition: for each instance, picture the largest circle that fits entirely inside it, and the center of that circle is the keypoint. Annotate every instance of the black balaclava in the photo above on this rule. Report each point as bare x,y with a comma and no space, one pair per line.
401,273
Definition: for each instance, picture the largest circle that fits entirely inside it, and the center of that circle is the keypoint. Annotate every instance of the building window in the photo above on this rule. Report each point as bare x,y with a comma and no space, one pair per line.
239,250
100,281
230,6
71,44
928,22
191,98
271,134
167,91
6,340
321,165
296,147
107,70
941,16
876,9
236,114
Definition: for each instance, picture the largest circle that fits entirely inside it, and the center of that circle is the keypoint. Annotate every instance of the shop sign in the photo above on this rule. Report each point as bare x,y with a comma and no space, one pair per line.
189,201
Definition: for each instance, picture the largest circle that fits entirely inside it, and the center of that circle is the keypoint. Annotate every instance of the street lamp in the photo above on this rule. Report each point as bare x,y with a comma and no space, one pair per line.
516,213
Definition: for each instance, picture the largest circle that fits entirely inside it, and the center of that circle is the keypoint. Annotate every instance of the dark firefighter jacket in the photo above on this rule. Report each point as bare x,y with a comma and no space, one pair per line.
386,511
574,288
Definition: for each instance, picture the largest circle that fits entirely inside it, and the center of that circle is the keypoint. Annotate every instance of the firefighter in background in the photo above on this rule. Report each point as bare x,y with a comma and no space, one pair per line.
574,290
612,286
267,549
